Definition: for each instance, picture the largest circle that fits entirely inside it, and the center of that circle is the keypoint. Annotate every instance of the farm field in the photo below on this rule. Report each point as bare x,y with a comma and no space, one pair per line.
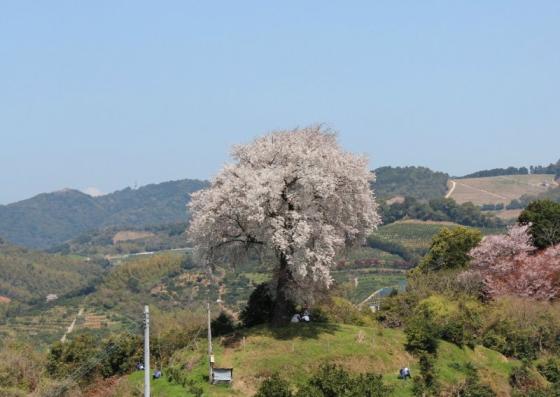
499,189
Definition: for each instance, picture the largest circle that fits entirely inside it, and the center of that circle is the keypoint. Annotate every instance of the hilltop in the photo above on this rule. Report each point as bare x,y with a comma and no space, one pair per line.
297,351
50,219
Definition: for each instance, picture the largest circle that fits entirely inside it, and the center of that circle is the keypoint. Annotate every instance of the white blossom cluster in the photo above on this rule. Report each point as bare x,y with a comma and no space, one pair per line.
296,194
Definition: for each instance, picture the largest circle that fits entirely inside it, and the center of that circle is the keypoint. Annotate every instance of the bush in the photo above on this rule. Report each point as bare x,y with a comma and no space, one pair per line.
274,386
524,382
329,381
421,332
472,386
340,310
550,370
450,249
522,328
259,307
426,384
222,325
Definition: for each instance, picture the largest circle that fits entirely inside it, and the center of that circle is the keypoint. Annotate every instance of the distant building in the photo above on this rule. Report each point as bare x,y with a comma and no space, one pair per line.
52,297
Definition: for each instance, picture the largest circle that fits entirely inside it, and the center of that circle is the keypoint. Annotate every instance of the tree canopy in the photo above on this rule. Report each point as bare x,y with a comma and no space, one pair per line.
294,195
543,216
450,248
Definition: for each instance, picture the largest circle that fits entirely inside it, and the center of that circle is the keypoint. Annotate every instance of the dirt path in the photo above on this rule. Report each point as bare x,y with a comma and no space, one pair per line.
453,185
72,325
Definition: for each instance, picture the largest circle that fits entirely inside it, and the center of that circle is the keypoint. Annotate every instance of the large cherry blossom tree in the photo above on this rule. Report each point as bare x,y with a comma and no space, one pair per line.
294,195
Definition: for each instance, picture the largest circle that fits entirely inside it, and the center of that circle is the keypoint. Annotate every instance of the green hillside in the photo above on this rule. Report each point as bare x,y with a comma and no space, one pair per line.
418,182
28,276
297,351
51,218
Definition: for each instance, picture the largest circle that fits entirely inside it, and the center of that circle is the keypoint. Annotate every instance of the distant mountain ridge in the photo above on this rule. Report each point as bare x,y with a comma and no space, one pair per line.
49,219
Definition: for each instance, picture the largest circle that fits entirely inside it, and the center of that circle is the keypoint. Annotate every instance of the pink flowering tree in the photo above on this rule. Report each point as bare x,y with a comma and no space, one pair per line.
293,195
511,265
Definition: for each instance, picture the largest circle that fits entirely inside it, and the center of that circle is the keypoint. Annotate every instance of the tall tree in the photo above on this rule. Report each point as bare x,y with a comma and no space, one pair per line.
295,195
543,218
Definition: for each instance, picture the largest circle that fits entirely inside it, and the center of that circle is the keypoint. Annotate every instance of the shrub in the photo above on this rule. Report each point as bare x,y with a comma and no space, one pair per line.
450,249
222,325
472,387
340,310
426,384
274,386
550,370
259,307
421,332
524,381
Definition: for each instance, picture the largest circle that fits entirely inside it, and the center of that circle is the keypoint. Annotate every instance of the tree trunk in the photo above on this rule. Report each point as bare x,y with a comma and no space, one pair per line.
281,313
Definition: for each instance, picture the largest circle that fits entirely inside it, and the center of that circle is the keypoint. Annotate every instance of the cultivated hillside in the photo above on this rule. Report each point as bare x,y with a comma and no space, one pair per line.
52,218
28,276
499,189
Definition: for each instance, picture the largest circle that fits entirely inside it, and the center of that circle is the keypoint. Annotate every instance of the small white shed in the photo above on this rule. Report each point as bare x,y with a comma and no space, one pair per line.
222,375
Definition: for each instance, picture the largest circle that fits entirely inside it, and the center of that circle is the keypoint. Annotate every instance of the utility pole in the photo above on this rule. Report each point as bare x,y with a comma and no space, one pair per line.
146,351
210,355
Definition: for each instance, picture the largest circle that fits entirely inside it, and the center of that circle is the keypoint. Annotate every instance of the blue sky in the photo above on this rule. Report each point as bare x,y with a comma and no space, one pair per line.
112,93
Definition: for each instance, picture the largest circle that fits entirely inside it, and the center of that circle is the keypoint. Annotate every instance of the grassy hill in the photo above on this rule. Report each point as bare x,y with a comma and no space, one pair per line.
51,218
500,189
297,350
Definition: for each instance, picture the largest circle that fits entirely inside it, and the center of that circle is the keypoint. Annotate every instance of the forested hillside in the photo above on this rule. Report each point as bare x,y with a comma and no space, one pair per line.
418,182
28,276
52,218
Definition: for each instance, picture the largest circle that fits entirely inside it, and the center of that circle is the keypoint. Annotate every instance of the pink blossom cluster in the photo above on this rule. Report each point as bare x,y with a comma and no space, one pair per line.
510,265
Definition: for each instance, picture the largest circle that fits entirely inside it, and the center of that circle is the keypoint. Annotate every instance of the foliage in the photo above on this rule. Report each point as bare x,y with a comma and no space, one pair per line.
472,387
543,218
274,386
421,332
550,369
417,182
259,307
524,382
329,381
21,367
28,276
450,249
393,247
50,219
122,240
506,265
552,168
297,197
339,310
440,209
426,384
499,172
522,328
222,325
114,356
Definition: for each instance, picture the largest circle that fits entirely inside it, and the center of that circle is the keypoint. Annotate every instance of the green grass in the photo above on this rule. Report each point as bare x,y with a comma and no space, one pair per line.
297,351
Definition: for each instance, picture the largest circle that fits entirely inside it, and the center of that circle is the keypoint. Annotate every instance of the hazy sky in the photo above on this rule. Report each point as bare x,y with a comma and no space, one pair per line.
108,93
